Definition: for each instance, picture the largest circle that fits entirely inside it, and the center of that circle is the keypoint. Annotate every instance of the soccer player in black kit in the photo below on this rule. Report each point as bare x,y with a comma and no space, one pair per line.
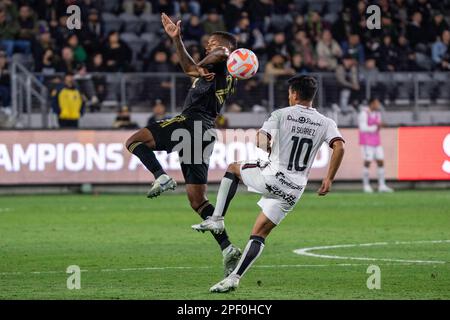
211,87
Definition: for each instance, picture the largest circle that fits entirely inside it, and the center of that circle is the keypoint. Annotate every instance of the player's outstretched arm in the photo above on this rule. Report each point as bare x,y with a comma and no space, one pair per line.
174,32
335,162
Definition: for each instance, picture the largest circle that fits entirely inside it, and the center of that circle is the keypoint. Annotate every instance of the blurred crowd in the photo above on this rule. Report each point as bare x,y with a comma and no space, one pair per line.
288,36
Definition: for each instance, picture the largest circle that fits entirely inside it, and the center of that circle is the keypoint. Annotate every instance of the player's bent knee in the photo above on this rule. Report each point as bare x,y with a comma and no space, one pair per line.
233,167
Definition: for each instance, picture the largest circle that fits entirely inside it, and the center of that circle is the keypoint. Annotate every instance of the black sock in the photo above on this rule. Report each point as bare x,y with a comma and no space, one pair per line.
251,252
222,238
147,157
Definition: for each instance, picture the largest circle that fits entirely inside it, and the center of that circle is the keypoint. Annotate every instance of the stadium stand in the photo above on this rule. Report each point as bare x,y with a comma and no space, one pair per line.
406,62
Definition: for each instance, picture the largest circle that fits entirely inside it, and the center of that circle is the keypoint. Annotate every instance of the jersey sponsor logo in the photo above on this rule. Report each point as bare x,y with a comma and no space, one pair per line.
303,120
282,178
290,199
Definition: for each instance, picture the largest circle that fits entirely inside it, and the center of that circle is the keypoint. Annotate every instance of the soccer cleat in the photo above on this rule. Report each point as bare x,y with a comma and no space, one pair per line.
160,185
385,188
231,256
228,284
368,189
213,224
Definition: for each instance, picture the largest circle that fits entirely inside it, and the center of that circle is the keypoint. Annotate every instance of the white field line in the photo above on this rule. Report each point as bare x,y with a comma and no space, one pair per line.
304,251
307,251
274,266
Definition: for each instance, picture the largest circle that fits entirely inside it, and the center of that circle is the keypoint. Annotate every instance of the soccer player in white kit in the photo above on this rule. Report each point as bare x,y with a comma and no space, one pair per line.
370,141
292,136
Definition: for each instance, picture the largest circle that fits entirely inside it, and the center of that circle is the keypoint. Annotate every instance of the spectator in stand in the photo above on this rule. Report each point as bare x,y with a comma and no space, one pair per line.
258,10
328,52
48,65
387,60
9,30
158,112
60,32
175,63
278,45
416,31
160,63
79,53
233,11
123,119
28,26
315,26
96,65
213,22
243,33
348,79
92,32
354,48
137,7
298,65
277,67
117,54
67,63
441,51
406,56
167,6
424,7
46,11
44,42
302,44
342,27
193,30
400,14
67,103
438,25
298,25
5,84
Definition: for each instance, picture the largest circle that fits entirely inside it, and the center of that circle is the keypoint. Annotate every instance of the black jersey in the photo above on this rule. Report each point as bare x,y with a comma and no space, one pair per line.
205,98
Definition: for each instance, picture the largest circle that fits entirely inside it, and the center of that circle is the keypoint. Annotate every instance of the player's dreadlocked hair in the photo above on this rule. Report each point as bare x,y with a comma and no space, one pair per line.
228,37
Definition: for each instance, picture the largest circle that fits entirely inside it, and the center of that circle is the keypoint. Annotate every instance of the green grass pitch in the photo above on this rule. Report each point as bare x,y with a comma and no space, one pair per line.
130,247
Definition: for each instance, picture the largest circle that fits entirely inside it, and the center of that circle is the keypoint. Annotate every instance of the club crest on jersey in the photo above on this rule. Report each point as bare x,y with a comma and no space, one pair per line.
303,120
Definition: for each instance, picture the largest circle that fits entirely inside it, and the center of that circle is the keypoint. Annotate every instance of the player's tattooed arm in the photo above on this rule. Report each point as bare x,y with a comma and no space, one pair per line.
174,32
335,162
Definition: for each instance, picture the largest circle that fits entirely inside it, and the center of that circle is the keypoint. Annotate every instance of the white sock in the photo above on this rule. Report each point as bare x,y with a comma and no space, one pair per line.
381,179
227,190
366,180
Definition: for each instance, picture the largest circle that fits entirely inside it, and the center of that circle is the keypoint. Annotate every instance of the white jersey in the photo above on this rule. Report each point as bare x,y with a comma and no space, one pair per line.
297,133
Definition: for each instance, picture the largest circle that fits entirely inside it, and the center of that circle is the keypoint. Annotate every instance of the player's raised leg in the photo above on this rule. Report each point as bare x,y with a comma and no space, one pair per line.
227,190
200,203
263,226
142,144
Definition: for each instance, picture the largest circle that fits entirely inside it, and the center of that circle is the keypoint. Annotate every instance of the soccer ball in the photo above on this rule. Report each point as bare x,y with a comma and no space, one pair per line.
242,63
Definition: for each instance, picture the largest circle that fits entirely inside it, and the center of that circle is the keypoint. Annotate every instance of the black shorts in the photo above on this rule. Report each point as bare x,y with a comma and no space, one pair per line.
192,139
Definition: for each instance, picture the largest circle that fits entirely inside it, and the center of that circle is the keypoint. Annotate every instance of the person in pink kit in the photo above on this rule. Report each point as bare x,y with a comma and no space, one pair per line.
370,141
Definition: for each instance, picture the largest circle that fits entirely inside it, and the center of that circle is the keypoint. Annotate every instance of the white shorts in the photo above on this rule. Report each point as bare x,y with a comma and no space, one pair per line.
371,153
279,194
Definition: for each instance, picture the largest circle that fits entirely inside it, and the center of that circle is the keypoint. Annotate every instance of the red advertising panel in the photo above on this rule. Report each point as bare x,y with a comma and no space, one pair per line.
424,153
